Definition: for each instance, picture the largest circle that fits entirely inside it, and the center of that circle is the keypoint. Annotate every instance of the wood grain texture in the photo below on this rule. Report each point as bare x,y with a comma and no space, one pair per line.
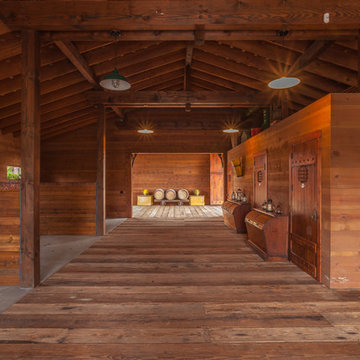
68,209
345,190
339,169
30,161
161,15
66,159
9,233
171,171
189,289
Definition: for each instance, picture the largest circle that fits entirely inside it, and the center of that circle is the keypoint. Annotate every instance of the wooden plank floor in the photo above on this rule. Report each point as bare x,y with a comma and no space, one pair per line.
176,212
180,289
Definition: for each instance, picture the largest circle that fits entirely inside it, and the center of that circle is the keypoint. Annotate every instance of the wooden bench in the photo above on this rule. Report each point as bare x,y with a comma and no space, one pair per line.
165,201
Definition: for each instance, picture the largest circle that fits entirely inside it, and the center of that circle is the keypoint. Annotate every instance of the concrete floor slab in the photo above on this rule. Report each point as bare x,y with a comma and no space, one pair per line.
55,252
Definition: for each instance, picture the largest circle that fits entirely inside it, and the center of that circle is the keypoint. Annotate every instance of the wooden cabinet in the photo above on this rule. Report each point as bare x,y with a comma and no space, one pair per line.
146,200
234,215
197,200
268,234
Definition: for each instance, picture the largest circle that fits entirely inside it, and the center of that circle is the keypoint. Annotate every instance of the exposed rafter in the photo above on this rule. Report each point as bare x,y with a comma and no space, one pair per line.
70,51
187,69
310,54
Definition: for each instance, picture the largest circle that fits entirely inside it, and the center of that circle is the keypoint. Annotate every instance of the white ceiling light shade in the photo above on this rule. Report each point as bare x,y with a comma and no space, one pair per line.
231,131
284,83
145,131
115,82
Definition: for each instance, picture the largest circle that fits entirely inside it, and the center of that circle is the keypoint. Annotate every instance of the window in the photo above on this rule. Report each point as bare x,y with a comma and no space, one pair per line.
13,173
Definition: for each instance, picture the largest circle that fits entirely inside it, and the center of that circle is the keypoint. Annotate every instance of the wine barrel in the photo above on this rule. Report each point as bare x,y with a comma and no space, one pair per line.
183,194
159,194
170,194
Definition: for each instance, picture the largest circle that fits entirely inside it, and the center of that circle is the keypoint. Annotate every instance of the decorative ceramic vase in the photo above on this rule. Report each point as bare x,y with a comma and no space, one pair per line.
146,192
197,192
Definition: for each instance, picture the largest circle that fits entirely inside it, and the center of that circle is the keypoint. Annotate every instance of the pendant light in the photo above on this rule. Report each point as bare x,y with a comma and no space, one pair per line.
145,131
231,131
115,81
284,82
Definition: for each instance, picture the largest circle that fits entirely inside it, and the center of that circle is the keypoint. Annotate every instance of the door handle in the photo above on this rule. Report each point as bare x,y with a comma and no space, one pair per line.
314,217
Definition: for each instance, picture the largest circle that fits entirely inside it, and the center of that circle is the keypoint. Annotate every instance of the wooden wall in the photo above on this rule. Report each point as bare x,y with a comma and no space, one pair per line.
9,213
336,116
9,233
67,209
171,171
345,191
66,158
9,154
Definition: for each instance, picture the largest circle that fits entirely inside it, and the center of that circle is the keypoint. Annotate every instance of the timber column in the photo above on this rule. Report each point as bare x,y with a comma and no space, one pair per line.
100,173
30,161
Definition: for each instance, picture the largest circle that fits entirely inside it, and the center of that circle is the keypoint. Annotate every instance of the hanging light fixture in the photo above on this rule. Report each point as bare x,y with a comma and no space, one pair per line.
231,131
145,131
284,82
115,81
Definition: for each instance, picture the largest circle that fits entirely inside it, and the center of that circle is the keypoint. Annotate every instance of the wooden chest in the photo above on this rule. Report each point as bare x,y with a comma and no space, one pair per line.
147,200
197,200
234,215
268,234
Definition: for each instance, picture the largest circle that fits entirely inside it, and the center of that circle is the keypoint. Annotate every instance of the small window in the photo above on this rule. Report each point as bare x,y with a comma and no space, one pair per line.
13,173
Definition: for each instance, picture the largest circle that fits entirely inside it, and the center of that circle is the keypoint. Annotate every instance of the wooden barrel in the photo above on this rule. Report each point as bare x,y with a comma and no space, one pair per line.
183,194
170,194
159,194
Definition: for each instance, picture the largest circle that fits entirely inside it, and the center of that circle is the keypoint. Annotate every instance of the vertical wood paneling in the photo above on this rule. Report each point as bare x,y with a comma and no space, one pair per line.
345,191
337,116
216,179
277,141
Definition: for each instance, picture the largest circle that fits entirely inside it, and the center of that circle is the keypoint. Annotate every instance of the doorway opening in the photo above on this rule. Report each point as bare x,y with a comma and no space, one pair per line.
177,185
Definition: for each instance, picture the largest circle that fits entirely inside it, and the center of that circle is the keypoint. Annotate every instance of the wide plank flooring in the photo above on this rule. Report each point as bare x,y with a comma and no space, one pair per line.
176,212
180,289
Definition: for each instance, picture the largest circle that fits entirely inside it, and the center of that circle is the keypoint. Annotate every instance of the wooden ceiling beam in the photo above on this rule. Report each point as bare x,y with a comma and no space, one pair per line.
162,15
11,115
61,68
158,80
4,29
309,55
173,98
47,117
187,68
74,56
63,130
227,84
267,58
209,35
155,72
247,72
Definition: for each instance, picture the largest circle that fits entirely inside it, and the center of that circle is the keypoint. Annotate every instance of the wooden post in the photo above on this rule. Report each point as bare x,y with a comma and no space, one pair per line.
358,56
30,161
100,173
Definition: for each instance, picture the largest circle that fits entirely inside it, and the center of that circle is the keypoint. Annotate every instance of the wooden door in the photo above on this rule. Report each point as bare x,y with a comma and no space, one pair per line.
216,179
304,247
260,179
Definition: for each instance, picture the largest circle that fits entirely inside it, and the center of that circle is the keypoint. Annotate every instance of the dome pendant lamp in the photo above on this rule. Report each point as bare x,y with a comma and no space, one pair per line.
115,81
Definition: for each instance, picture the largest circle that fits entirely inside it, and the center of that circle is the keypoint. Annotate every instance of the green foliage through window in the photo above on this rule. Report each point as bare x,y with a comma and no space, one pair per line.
13,173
